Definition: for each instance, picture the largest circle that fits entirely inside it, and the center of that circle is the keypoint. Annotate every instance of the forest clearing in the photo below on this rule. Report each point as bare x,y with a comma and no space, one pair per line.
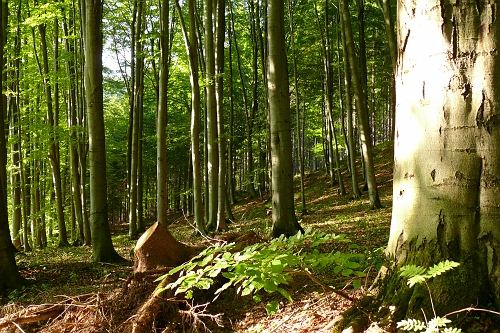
249,166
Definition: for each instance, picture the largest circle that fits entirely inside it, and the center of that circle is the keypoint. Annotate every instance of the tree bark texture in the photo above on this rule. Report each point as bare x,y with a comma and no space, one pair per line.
359,96
283,210
102,246
447,160
161,125
8,269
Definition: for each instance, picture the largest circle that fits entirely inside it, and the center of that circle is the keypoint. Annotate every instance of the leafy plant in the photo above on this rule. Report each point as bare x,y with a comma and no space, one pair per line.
418,275
261,267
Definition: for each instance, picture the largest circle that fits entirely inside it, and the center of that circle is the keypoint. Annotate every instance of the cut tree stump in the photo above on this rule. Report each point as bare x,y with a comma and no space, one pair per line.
157,248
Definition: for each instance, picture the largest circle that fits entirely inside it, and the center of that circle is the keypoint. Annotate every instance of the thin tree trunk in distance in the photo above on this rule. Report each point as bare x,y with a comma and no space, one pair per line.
54,158
385,6
359,95
191,43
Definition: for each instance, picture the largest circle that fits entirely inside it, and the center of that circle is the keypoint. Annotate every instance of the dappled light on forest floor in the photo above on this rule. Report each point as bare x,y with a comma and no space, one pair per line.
70,272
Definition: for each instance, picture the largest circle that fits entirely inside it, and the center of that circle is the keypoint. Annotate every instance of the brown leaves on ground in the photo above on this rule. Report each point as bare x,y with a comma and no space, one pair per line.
111,299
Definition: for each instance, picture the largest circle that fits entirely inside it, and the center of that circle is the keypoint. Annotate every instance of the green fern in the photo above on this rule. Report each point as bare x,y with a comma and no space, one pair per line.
418,274
441,267
414,325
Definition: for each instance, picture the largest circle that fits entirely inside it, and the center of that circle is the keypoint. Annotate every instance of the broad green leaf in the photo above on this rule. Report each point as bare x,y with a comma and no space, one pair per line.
272,307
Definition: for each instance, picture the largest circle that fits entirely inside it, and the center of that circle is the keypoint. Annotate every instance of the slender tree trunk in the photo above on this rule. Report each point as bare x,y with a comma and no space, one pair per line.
284,220
230,173
221,30
248,116
161,125
191,43
212,145
102,246
54,158
385,5
73,146
359,95
297,105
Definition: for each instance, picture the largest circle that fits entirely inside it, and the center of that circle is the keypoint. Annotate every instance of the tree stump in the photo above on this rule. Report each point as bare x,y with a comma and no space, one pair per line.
157,248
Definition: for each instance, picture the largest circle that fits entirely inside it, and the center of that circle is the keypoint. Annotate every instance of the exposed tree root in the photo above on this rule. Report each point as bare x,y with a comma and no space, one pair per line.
156,305
45,312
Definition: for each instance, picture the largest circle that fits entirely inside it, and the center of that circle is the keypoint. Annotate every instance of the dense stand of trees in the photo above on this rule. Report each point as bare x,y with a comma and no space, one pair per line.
223,48
118,111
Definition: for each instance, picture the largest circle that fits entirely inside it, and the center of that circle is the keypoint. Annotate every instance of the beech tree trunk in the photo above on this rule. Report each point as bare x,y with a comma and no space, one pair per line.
191,43
161,125
446,196
359,96
102,246
219,84
283,210
54,158
8,269
211,118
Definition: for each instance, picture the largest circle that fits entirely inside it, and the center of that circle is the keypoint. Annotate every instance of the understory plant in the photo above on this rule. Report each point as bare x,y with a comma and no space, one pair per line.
264,267
420,275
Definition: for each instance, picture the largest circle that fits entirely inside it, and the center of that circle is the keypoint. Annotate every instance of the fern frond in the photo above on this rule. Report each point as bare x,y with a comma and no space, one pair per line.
409,271
441,267
452,330
413,325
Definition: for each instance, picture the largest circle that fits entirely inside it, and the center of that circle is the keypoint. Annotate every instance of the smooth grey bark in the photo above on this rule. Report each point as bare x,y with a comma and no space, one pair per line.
137,109
446,192
8,268
385,6
283,210
211,118
14,131
351,147
219,85
300,158
360,98
230,148
73,138
191,44
161,125
102,245
54,157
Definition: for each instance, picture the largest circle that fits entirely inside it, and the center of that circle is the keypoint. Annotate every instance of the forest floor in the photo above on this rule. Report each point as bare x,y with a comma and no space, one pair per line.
67,279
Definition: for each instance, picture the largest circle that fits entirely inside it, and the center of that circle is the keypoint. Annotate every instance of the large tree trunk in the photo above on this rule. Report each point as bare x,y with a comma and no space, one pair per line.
8,269
284,219
447,159
102,246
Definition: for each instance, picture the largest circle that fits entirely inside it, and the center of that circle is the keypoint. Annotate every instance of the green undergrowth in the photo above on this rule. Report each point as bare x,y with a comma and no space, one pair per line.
266,267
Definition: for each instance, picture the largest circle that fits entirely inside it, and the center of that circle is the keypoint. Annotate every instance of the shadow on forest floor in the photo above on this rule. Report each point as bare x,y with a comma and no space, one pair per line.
70,272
